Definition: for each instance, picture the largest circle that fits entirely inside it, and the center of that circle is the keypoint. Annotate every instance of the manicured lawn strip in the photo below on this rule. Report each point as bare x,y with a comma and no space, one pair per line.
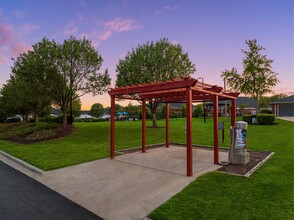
91,142
268,194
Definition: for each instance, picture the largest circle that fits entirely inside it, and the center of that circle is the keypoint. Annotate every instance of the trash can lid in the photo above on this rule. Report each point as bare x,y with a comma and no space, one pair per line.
241,124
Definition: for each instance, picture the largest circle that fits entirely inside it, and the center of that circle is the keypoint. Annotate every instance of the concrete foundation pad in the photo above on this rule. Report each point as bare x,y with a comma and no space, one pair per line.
131,185
240,159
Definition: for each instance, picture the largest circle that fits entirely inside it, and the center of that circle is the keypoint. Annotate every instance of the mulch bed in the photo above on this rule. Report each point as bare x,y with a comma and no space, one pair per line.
58,132
255,158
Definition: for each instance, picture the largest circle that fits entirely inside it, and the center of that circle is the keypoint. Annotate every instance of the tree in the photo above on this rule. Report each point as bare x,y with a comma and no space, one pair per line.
257,78
97,110
183,110
32,71
264,101
65,71
17,98
79,64
198,111
76,107
151,62
133,110
243,107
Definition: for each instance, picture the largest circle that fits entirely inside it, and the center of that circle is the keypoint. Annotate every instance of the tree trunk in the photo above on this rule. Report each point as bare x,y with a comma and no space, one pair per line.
257,105
64,112
64,119
25,118
36,118
154,125
153,106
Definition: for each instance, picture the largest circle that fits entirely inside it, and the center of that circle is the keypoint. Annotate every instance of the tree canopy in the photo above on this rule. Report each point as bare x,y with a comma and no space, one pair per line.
153,61
60,73
257,78
97,110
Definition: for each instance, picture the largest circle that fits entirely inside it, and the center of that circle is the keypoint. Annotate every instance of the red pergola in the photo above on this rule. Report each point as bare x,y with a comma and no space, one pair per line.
185,90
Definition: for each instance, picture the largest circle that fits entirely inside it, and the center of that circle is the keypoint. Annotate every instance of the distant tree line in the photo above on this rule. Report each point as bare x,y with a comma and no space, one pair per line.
53,74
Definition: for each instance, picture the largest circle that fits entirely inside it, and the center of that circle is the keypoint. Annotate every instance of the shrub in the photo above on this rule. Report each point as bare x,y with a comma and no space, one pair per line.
265,119
175,114
14,119
266,111
58,119
247,118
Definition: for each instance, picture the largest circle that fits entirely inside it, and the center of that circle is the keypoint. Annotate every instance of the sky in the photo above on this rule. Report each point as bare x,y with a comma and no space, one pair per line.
212,32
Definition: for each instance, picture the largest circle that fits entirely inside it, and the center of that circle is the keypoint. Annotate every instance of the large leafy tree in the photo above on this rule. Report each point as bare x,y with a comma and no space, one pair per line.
153,61
34,72
63,72
257,78
15,98
79,63
97,110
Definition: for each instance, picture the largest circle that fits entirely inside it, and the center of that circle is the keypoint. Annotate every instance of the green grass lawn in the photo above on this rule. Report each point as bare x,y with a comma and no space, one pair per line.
267,194
91,141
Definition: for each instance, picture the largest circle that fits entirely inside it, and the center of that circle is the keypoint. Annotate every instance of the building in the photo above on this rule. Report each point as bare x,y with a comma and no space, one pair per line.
283,107
244,105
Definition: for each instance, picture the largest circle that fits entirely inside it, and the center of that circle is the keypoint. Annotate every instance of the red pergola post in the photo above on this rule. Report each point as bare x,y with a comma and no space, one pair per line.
112,126
143,126
233,112
166,124
215,128
189,132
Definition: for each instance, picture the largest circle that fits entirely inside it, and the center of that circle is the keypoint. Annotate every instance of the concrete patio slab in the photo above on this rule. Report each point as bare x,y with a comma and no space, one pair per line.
132,185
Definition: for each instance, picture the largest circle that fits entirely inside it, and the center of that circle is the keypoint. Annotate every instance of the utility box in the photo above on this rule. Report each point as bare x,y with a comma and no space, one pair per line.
239,154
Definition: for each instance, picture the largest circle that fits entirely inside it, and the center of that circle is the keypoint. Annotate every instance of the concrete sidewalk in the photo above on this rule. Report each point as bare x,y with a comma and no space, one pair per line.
132,185
287,118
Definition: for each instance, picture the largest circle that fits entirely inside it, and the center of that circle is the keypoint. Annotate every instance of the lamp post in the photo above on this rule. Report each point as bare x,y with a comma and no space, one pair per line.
225,100
204,113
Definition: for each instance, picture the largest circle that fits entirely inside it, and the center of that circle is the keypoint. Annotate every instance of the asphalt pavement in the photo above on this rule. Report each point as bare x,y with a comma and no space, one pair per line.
22,197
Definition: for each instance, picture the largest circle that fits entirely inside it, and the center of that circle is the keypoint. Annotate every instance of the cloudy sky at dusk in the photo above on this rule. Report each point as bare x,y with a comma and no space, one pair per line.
213,32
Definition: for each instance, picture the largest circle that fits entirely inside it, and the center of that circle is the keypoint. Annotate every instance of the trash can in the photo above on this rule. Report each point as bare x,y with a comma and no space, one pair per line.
239,144
240,136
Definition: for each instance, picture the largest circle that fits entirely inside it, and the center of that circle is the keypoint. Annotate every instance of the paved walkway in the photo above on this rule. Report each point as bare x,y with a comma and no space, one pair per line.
22,197
287,118
132,185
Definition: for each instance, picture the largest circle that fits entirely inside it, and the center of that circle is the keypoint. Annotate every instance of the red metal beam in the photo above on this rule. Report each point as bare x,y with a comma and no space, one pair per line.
233,113
163,94
189,132
215,128
143,126
213,93
112,127
166,124
159,86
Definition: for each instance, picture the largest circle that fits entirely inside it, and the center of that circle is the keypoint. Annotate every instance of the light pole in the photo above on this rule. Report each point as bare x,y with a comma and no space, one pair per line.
204,113
225,100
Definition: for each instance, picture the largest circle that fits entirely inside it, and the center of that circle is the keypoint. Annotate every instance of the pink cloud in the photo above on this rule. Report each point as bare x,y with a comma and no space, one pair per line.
18,14
71,28
28,28
10,44
121,25
105,35
105,31
170,8
83,2
73,25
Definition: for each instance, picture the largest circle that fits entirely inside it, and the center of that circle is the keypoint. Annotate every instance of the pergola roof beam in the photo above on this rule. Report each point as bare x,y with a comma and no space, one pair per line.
158,86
